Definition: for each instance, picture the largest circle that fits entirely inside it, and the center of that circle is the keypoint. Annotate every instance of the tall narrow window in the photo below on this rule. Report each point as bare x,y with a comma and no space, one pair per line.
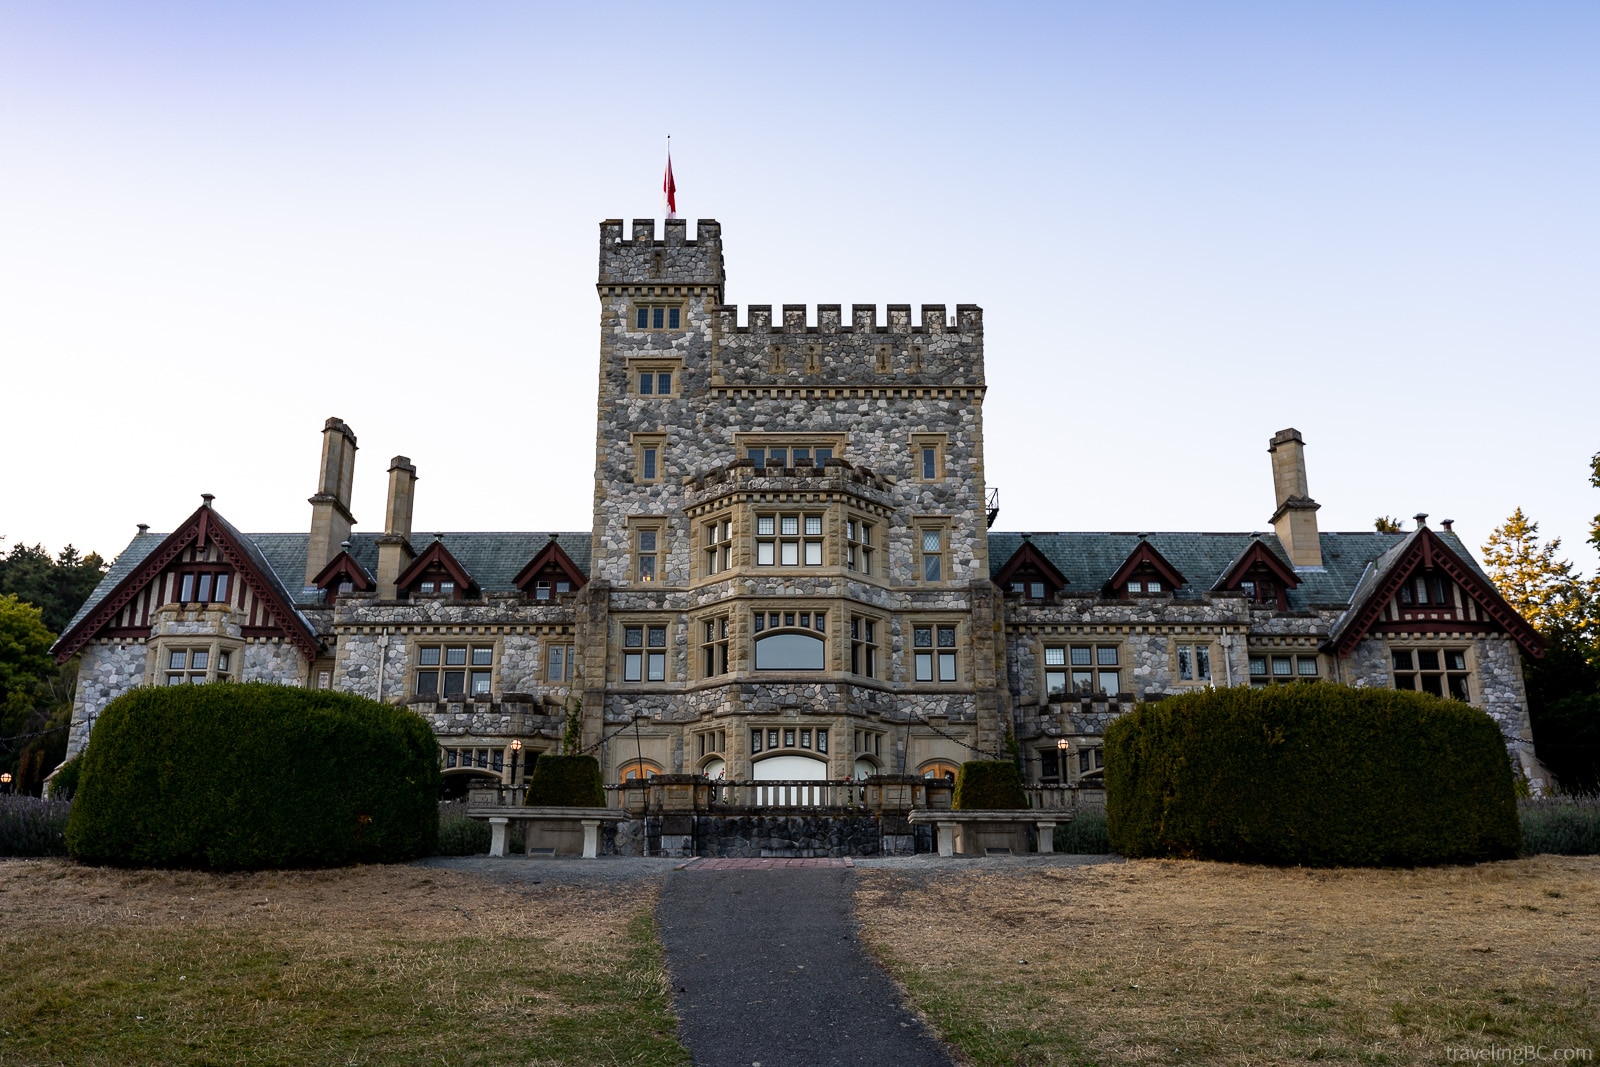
1194,663
863,646
718,536
559,668
646,554
714,646
933,555
858,546
647,462
930,463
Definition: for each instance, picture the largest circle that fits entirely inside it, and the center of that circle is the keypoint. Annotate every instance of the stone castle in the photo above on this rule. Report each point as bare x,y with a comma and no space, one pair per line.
790,575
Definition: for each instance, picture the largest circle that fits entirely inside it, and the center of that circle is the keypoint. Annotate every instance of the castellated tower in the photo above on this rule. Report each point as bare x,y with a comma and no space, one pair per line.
790,560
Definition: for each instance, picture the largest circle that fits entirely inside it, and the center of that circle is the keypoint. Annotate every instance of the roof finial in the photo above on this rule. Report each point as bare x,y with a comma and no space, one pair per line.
208,498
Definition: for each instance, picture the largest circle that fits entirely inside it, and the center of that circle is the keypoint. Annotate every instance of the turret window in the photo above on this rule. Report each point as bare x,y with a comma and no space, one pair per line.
789,641
858,546
659,317
789,540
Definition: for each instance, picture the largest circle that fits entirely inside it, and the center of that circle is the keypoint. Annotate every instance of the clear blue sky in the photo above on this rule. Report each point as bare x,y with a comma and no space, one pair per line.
1189,224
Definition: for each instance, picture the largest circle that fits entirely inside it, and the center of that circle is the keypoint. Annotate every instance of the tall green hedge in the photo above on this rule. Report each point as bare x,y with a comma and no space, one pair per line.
255,776
1320,775
988,785
567,782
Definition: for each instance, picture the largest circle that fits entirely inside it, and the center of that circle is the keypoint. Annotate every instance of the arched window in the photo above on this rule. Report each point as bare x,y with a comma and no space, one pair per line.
637,769
940,769
790,651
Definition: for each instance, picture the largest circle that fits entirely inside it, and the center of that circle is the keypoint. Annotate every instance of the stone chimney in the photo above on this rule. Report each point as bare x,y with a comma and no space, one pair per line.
1295,519
330,507
394,547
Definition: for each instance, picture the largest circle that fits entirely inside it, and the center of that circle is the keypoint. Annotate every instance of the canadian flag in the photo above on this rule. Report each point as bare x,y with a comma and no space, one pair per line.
669,188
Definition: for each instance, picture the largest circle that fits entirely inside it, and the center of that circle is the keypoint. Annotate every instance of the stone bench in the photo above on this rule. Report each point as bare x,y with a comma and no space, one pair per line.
564,831
977,833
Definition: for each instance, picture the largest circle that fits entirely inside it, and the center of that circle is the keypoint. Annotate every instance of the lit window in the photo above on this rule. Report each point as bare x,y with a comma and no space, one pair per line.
645,550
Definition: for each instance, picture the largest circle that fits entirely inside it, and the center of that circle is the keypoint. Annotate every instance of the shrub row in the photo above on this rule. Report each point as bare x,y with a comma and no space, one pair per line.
250,776
1310,774
30,826
1084,835
1566,826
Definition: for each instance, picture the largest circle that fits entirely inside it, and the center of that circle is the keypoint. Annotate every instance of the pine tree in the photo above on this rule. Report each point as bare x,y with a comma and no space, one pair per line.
1544,590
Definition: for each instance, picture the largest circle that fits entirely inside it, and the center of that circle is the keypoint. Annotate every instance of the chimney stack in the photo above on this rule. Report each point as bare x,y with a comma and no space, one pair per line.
1295,519
394,547
330,507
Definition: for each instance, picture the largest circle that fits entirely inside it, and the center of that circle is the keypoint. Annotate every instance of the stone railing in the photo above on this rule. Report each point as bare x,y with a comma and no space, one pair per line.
887,794
1065,798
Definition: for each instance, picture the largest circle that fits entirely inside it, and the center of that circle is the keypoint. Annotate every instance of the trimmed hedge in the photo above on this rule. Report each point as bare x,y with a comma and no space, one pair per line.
1319,775
65,783
988,785
566,782
245,776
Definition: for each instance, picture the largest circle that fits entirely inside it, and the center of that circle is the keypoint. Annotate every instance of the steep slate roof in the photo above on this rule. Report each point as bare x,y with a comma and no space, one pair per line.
493,559
1088,559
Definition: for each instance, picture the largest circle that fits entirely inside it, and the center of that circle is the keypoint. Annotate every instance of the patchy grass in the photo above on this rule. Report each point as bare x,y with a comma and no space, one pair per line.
366,965
1185,962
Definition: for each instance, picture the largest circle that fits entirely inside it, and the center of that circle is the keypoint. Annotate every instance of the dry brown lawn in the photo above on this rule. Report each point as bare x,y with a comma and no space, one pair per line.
1182,962
370,965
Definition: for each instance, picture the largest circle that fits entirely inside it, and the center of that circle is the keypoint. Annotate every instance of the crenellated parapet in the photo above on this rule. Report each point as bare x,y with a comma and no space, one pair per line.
793,346
639,259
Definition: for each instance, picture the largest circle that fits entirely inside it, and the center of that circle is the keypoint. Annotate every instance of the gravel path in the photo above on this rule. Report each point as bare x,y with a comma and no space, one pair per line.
766,969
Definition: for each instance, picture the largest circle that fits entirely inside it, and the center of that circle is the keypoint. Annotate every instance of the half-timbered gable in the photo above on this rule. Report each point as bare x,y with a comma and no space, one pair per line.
436,572
1145,572
1261,575
552,573
1030,573
343,574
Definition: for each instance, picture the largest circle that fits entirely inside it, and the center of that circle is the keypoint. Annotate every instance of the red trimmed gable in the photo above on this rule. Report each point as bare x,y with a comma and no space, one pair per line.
201,562
435,567
1262,575
1430,589
551,566
1027,566
1143,565
341,570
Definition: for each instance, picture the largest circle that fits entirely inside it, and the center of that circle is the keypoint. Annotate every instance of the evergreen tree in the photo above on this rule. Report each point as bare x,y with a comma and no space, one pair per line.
1544,590
57,586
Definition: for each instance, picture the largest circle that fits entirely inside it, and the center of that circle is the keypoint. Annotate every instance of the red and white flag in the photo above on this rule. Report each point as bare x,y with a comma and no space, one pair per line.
669,188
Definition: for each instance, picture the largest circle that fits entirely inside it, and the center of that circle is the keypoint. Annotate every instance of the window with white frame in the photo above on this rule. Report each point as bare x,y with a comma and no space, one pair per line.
644,653
858,546
789,539
1193,662
452,671
1440,671
196,665
717,537
933,649
1281,668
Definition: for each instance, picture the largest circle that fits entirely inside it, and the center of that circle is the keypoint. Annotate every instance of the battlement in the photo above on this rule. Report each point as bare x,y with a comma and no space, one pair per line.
829,319
674,260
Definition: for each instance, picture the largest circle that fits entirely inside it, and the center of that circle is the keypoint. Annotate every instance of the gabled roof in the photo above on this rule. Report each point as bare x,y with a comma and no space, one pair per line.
1423,549
1144,554
1257,555
551,553
344,564
124,581
436,555
1026,555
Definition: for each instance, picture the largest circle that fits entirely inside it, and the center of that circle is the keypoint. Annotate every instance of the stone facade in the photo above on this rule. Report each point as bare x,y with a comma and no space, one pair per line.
789,573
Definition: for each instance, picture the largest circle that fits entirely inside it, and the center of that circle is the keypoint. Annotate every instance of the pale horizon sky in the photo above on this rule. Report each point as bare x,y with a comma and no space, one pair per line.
1189,225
